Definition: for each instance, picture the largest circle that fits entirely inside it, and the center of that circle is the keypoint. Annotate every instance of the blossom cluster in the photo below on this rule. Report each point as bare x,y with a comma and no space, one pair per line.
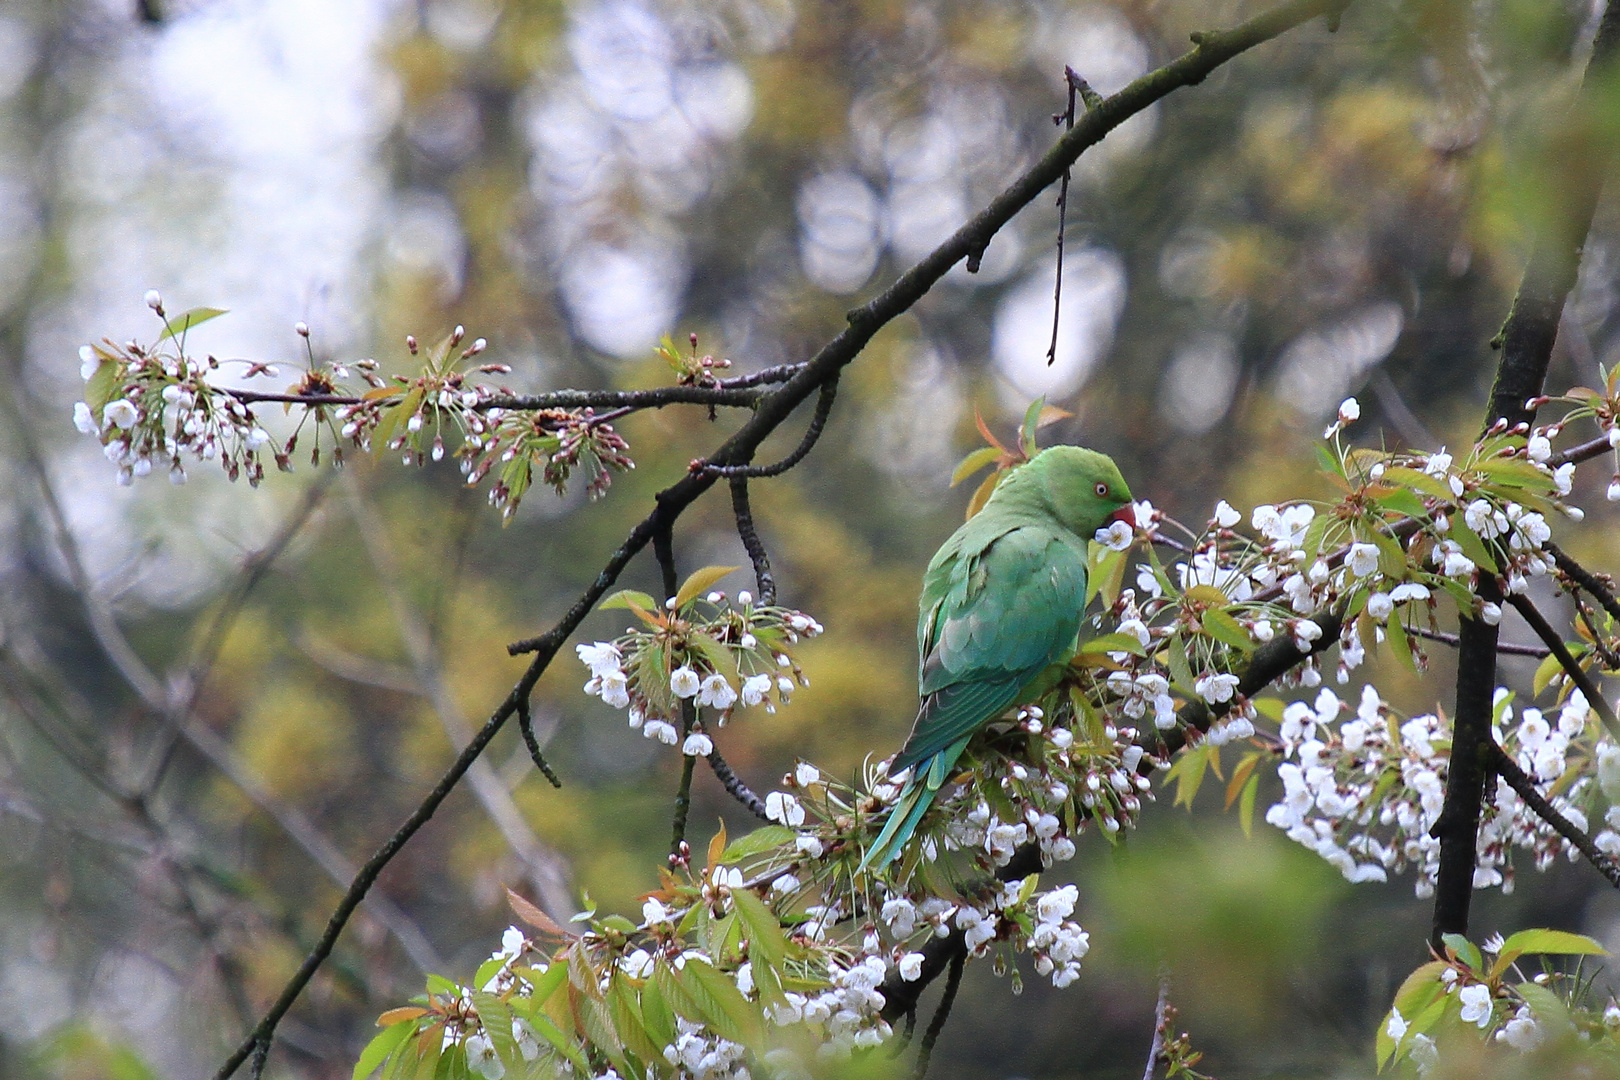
712,652
154,409
1364,791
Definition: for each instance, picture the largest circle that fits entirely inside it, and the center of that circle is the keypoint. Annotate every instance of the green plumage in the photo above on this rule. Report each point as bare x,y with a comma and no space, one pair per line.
1001,601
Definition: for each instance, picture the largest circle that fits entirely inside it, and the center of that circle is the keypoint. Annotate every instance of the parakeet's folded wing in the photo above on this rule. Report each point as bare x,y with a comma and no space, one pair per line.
992,619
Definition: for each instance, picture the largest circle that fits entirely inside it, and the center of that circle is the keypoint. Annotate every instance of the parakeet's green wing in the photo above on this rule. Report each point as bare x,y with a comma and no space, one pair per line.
992,620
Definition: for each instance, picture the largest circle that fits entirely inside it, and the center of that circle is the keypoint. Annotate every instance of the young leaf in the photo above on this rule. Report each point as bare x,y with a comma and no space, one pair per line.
1026,432
1556,942
981,494
628,598
766,943
731,1015
699,582
381,1047
984,455
532,915
1240,776
1246,806
1222,627
717,846
757,843
1108,643
1429,485
187,319
1465,950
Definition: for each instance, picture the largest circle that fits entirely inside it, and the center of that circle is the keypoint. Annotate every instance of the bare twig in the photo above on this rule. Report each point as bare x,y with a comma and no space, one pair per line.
1585,451
818,421
953,982
735,787
1160,1022
1505,648
1580,575
763,578
1577,675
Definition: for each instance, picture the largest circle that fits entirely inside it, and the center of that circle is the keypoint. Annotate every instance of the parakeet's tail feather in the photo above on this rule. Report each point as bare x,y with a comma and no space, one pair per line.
916,797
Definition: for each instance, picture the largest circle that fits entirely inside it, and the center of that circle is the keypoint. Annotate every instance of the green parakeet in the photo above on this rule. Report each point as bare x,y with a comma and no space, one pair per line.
1001,601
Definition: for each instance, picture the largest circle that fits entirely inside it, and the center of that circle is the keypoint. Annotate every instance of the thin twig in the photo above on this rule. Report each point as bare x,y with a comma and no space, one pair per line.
526,726
1587,580
1506,648
1585,451
953,982
1156,1050
1583,681
763,579
735,787
824,404
1066,118
1519,781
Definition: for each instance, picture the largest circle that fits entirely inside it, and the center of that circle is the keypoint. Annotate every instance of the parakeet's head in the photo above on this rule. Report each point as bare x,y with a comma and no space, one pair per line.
1079,487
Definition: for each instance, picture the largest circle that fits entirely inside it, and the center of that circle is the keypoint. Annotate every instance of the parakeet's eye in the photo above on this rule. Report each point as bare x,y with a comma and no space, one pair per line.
1102,489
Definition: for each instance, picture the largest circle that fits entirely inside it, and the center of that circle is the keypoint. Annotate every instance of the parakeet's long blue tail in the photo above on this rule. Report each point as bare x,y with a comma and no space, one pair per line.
918,794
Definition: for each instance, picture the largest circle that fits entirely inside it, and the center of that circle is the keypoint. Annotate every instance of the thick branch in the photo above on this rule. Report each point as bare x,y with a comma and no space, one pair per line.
1585,451
736,788
953,983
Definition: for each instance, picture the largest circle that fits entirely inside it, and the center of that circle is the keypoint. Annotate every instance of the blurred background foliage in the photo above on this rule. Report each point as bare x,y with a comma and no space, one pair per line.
1331,214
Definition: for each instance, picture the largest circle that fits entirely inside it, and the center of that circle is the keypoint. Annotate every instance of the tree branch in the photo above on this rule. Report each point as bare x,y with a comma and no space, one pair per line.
735,787
1555,644
953,983
824,404
763,579
1519,781
1583,577
773,408
1503,648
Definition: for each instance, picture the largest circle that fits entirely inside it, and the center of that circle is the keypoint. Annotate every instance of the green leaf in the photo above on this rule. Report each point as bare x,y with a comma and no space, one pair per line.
761,840
1032,419
716,655
1429,485
984,455
1222,627
1180,671
699,582
1554,942
1314,532
1466,951
563,1044
187,319
628,598
1329,463
1105,573
1391,559
656,1016
1107,643
626,1014
1188,773
496,1018
1246,806
1403,501
1395,634
102,385
766,942
1546,1005
487,970
731,1015
1472,546
1545,671
380,1048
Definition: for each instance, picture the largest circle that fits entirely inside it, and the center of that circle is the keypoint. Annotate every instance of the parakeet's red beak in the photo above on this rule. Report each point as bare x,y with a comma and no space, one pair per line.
1126,513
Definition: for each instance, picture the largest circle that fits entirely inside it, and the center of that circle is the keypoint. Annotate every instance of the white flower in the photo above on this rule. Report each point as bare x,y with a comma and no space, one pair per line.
1362,560
88,362
1409,591
1216,688
901,916
601,657
662,730
1349,410
1117,537
84,419
1379,605
1057,905
1225,516
1613,492
683,682
697,744
717,692
653,912
1564,477
1476,1004
1491,614
784,808
808,844
754,689
1522,1032
1305,632
482,1059
1396,1028
154,299
1539,448
639,964
528,1043
1424,1054
120,413
911,966
805,774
